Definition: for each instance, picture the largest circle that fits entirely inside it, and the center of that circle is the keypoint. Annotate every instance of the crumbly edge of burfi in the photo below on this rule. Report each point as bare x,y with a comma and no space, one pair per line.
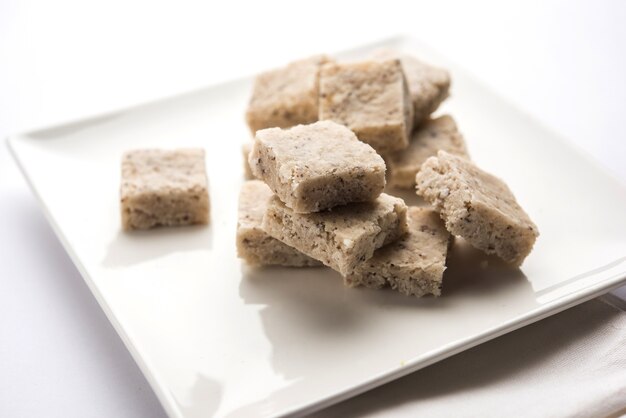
306,193
313,233
489,231
254,245
167,208
414,264
268,109
144,205
245,153
417,282
258,248
384,136
483,226
347,187
403,166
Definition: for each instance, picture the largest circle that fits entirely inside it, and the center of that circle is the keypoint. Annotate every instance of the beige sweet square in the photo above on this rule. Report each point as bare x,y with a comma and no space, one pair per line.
163,188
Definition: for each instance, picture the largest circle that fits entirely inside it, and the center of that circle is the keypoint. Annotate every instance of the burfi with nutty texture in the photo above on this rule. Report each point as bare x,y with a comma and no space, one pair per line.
163,188
414,264
286,96
428,85
318,166
477,206
341,238
245,153
430,137
254,245
371,98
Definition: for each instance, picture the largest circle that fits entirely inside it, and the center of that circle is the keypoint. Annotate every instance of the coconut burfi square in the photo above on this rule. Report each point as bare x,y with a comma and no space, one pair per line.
254,245
163,188
414,264
286,96
371,98
477,206
318,166
245,153
428,85
343,237
430,137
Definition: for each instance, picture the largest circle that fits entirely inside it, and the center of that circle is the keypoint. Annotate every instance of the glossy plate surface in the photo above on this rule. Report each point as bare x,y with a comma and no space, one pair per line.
214,337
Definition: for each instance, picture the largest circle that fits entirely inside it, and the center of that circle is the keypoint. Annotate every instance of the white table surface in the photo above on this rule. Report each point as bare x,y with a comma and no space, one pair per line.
564,63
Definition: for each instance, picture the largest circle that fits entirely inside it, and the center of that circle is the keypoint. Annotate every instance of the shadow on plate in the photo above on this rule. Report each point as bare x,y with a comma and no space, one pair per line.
314,297
472,271
305,307
129,248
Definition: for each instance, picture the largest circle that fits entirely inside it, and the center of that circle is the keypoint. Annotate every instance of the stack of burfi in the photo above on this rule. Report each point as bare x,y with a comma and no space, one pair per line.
328,205
329,137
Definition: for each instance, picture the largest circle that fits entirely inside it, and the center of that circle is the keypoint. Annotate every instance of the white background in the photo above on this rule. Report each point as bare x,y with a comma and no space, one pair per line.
562,62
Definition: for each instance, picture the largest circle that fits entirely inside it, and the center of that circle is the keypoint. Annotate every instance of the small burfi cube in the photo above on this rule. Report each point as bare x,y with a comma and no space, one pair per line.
341,238
428,85
371,98
414,264
286,96
163,188
245,152
318,166
430,137
477,206
254,245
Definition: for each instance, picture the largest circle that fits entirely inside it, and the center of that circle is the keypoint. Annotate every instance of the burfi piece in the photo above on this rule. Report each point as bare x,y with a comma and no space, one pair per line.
430,137
318,166
163,188
245,151
428,85
286,96
414,264
372,99
254,245
341,238
477,206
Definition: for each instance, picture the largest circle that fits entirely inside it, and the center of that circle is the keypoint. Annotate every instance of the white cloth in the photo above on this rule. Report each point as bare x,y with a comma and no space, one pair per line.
570,365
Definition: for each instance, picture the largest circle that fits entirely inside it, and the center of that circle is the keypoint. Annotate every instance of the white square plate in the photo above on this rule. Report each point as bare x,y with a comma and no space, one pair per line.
214,337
